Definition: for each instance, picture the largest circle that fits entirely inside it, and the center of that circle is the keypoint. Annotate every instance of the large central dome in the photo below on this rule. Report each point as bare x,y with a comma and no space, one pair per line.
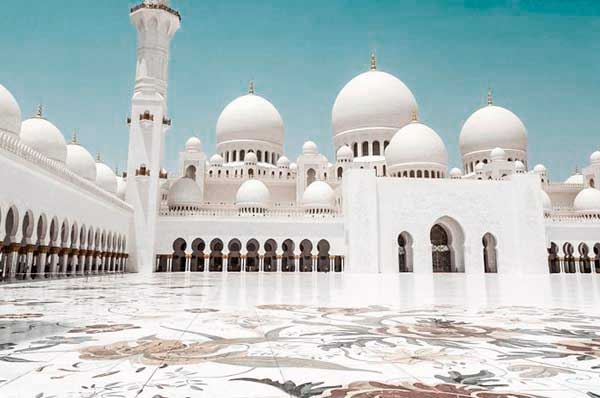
373,99
250,118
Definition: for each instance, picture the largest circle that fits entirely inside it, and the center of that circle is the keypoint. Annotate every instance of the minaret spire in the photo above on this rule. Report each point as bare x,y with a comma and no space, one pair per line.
373,61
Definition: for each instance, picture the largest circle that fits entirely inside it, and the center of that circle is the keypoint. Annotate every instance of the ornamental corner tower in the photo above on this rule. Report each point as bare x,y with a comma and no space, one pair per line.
156,23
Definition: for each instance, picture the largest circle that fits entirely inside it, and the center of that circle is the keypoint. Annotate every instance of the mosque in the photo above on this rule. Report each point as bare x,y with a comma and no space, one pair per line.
387,203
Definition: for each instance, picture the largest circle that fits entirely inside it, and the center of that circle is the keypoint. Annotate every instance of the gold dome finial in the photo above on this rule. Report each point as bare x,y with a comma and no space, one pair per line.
373,61
251,87
414,116
40,111
489,96
74,138
98,158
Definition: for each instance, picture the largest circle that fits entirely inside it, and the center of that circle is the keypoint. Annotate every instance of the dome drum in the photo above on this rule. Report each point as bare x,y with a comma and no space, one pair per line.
417,170
235,151
485,157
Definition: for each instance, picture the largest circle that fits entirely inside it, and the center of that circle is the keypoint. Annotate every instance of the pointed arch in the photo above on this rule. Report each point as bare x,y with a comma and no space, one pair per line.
178,256
447,245
270,256
405,252
306,263
490,253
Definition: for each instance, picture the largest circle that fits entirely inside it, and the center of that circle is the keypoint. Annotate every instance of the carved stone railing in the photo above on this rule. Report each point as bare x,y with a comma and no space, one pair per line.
11,144
230,211
571,217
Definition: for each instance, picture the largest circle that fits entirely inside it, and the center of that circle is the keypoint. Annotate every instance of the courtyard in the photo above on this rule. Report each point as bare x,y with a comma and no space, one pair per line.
302,336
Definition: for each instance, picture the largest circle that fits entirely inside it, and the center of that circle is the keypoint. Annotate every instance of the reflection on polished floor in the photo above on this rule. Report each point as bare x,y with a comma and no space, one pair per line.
302,336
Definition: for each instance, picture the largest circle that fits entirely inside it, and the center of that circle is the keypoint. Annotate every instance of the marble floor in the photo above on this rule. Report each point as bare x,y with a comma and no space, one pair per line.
302,336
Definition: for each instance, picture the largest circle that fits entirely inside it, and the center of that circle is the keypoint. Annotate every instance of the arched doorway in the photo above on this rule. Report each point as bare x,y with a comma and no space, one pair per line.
447,245
490,256
585,264
252,259
597,257
568,258
288,260
216,256
323,260
441,256
178,256
234,258
306,263
553,260
197,262
270,257
190,172
405,255
310,176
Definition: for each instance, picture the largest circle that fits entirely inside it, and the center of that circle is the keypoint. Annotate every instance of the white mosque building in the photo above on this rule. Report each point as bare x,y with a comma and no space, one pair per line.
387,203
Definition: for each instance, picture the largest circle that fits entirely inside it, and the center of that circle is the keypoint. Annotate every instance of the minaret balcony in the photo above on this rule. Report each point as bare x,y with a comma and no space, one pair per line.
156,7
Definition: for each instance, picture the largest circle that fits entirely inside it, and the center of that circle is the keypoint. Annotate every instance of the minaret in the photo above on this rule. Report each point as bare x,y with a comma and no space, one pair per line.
156,24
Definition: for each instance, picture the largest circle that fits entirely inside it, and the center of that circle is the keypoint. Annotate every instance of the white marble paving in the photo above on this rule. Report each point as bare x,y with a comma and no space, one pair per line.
302,336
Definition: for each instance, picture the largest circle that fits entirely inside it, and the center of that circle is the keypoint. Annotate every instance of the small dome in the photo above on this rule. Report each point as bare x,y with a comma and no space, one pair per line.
539,169
318,195
216,160
10,113
184,193
595,157
250,117
546,202
121,187
344,153
310,148
479,166
588,200
193,144
44,137
293,166
520,166
498,154
105,177
416,143
372,99
81,162
576,178
456,173
490,127
283,162
253,193
250,158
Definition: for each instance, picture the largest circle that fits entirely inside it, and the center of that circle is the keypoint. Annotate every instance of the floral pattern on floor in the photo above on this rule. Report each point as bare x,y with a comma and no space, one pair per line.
170,336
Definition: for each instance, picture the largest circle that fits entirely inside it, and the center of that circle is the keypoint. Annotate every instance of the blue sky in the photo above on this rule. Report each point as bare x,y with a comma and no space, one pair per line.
542,59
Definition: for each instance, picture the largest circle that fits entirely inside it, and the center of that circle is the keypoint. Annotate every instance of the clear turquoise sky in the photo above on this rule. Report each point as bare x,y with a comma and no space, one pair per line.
541,57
